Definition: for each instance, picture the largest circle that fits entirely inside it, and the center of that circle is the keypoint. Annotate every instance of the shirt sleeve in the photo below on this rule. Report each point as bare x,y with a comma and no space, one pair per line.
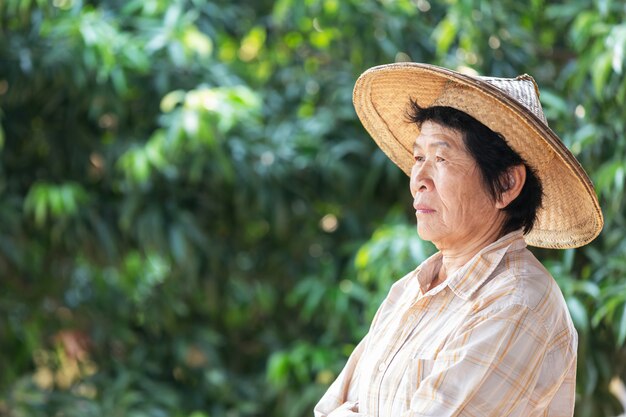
341,398
490,367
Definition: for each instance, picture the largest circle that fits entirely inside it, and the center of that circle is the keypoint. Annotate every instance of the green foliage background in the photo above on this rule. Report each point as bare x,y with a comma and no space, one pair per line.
193,223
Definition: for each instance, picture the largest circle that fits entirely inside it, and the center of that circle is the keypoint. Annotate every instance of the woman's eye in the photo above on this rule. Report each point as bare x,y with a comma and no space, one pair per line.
440,159
418,158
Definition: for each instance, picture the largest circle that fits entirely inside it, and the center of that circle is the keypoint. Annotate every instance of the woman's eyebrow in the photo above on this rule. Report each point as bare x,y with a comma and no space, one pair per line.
445,144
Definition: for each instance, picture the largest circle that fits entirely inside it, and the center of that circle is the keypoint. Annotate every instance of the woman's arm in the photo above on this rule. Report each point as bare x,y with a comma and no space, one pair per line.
342,397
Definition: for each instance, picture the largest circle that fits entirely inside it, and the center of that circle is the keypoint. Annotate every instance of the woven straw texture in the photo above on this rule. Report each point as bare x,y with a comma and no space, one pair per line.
570,216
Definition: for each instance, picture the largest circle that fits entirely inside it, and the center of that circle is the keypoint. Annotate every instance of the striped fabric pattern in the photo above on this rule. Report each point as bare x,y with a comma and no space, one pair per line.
494,339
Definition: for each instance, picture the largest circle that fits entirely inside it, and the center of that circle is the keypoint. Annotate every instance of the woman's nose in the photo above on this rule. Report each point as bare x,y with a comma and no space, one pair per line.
421,179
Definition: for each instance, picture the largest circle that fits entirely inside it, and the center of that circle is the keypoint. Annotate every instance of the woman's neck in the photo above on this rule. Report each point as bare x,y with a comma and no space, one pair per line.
454,257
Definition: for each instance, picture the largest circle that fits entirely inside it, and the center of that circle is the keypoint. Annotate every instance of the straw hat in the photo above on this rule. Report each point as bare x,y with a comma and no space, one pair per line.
570,216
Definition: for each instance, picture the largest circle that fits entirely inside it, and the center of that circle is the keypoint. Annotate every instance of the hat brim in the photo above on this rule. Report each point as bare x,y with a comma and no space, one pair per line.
570,215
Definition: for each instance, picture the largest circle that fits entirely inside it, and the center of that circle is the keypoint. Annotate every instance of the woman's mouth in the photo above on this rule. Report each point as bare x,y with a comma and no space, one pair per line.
423,209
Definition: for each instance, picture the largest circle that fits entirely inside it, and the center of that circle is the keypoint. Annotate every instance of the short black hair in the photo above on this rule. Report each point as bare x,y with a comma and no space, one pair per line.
493,157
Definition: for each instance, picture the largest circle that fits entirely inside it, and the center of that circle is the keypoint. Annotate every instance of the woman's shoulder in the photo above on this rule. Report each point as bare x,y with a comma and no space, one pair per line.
521,280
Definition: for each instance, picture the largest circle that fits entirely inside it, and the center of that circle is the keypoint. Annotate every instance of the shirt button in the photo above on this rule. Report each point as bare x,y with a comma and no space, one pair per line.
381,367
411,317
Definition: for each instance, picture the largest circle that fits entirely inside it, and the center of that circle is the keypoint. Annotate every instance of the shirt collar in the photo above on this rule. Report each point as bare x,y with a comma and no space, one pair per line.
469,278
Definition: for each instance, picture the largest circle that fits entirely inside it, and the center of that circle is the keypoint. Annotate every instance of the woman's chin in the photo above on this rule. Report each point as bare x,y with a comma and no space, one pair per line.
425,233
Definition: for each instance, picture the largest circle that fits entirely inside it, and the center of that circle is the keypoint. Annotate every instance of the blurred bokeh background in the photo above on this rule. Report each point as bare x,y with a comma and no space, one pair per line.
194,224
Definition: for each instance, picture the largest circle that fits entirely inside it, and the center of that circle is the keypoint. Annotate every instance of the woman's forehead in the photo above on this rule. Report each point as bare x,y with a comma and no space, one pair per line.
436,135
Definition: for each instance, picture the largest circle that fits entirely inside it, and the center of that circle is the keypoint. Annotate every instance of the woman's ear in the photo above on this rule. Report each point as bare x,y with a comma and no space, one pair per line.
513,180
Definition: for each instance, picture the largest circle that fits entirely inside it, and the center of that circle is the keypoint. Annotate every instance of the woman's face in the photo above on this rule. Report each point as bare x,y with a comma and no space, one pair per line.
451,203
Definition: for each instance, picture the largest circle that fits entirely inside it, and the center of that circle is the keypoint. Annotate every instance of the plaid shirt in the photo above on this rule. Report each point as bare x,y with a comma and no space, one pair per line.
494,339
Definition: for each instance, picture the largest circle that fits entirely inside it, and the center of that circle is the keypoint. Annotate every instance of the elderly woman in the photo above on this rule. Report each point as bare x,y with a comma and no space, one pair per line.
480,328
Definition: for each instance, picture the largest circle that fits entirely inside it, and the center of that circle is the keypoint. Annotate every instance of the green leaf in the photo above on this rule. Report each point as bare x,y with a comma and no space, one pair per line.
171,100
444,34
600,73
607,309
579,314
621,327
